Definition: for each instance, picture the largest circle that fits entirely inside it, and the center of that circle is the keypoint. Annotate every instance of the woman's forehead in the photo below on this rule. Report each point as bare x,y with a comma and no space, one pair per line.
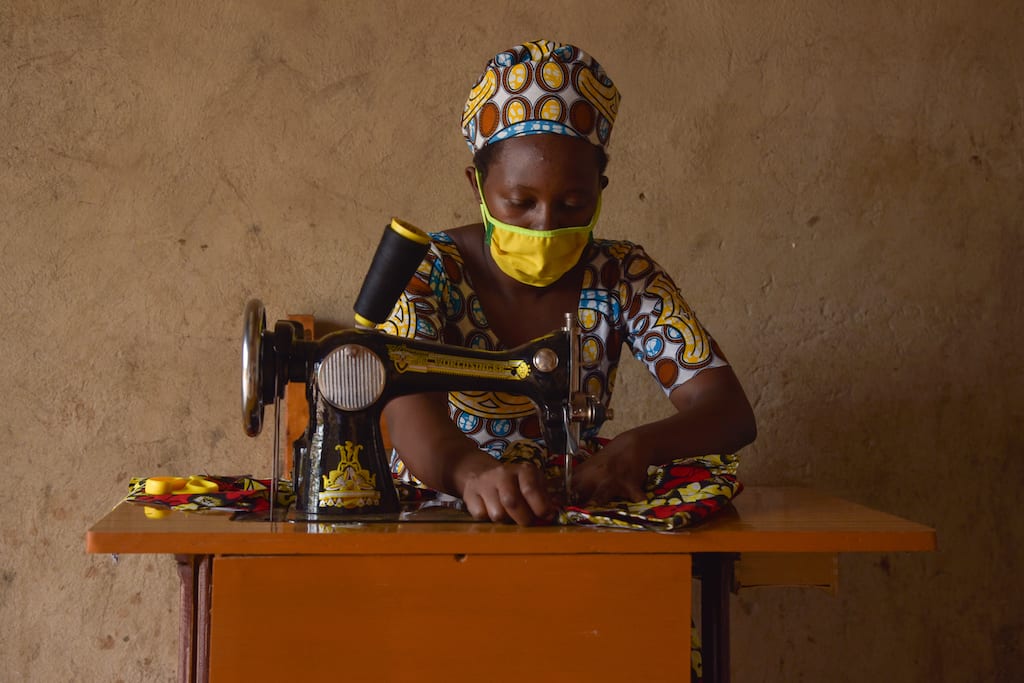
557,152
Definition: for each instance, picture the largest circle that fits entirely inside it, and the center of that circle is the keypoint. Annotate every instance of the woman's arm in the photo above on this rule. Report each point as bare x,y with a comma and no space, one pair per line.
713,416
443,458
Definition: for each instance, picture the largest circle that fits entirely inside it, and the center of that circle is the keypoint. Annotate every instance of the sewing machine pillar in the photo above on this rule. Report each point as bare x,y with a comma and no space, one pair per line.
343,467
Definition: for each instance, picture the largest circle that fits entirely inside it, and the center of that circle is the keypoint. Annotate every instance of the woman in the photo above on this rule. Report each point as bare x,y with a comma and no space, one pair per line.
538,122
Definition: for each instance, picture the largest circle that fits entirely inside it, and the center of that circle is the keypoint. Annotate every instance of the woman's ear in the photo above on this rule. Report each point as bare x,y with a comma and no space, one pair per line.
471,177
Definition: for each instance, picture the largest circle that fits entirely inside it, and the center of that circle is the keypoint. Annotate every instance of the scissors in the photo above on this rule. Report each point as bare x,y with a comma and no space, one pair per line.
159,486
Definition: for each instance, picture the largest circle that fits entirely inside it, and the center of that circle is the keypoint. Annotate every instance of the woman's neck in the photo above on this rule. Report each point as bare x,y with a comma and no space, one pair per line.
516,312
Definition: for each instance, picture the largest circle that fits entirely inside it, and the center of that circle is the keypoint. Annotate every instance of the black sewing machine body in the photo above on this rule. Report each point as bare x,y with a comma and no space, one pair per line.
341,466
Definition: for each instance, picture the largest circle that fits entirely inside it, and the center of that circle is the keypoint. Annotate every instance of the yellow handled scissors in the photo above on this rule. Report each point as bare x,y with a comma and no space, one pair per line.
159,486
177,485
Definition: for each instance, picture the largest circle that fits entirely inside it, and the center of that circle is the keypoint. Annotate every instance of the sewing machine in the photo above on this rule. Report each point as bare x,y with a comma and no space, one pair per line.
341,468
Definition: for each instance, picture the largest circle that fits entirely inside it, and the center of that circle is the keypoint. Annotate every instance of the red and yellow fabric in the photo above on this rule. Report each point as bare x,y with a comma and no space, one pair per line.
234,494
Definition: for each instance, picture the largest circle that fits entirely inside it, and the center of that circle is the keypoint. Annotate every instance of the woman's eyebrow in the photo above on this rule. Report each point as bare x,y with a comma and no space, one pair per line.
527,187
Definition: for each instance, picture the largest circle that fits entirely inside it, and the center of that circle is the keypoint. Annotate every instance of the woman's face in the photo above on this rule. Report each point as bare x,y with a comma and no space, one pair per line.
543,182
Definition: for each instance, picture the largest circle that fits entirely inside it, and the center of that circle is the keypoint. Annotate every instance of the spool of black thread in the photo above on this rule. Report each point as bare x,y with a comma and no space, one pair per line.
401,249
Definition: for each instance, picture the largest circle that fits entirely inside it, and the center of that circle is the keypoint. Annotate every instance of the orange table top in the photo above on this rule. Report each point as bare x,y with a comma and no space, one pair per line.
763,519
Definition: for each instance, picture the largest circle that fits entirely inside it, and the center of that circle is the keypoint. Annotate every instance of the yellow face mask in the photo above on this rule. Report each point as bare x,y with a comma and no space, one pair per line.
535,257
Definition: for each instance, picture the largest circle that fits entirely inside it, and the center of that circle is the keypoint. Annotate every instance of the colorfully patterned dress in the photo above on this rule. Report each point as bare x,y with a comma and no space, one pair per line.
626,299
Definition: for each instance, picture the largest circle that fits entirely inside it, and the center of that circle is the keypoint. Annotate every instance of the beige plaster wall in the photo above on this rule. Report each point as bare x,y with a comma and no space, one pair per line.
837,186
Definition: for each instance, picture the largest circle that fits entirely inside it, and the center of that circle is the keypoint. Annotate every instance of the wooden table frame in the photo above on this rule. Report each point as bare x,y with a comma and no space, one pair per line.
788,526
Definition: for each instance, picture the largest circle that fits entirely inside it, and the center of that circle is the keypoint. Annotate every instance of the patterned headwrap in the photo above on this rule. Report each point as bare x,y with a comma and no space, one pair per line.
541,87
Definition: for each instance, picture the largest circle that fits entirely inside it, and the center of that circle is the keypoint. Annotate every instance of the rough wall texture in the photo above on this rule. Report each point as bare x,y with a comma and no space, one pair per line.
837,186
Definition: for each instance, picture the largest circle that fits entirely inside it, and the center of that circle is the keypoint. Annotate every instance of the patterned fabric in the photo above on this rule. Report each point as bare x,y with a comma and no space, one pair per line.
236,494
680,494
540,87
626,299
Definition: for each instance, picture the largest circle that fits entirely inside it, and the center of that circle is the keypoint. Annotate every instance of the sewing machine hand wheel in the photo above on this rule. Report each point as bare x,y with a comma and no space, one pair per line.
254,323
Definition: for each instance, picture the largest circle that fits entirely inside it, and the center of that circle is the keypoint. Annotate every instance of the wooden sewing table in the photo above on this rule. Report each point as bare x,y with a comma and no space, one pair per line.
484,602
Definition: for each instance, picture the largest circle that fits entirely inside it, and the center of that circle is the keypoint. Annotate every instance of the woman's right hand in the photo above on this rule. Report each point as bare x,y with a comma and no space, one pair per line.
506,492
447,460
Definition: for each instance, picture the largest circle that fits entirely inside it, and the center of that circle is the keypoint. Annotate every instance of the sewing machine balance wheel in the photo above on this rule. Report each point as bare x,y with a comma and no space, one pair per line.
253,325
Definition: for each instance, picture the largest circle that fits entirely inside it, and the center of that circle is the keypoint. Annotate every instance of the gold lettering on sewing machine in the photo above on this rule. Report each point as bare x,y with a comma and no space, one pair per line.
411,360
350,485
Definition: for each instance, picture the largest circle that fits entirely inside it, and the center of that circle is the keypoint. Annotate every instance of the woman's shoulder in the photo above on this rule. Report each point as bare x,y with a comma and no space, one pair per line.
622,265
460,248
443,247
455,240
613,247
620,251
445,260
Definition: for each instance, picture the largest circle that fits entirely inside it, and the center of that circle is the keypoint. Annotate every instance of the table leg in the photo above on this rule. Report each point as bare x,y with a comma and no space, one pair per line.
204,586
194,618
186,617
715,571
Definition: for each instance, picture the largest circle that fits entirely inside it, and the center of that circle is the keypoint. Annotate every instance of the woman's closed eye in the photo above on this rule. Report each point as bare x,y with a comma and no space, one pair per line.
525,204
520,203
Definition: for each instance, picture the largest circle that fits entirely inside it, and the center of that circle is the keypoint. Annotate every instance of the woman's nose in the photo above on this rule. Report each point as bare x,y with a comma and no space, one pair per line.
546,217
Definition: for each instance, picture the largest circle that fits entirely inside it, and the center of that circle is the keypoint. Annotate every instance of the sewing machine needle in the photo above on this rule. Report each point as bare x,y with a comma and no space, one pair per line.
276,465
568,479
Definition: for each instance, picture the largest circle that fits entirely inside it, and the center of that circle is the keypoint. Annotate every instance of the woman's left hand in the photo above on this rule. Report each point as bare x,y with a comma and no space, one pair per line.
712,416
617,472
